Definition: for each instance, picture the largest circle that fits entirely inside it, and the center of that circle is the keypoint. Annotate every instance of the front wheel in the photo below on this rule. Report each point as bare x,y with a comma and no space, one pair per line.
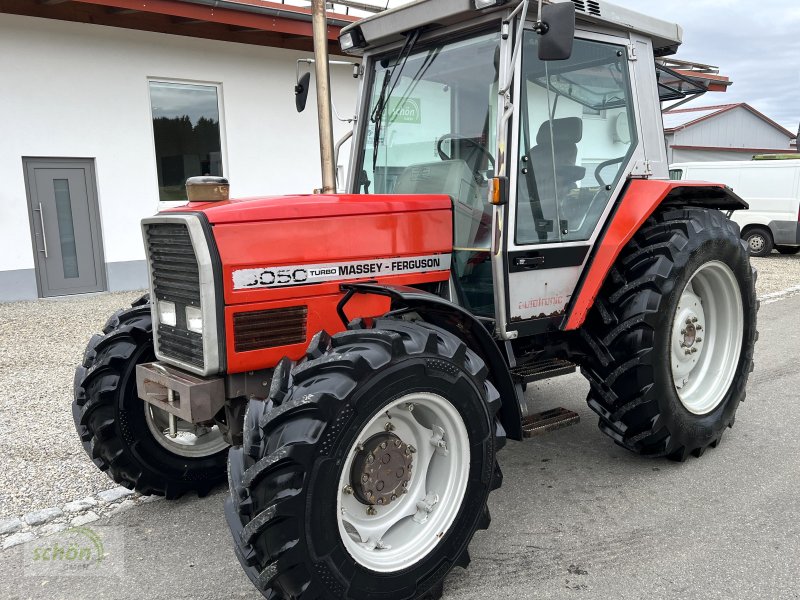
670,338
367,474
126,437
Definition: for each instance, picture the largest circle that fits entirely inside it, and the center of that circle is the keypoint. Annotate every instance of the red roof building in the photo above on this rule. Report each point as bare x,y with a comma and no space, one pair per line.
723,132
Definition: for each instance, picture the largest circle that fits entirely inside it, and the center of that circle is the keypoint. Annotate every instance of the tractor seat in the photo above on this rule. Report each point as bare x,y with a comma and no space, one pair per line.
555,155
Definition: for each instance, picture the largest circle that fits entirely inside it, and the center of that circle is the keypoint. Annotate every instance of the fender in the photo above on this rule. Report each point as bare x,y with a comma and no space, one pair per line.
639,200
459,322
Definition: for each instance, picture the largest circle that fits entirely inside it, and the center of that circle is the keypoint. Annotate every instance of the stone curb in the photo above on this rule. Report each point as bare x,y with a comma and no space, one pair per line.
35,524
775,296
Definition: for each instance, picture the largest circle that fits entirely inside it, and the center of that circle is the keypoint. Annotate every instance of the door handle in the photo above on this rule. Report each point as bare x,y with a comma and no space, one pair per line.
529,262
44,235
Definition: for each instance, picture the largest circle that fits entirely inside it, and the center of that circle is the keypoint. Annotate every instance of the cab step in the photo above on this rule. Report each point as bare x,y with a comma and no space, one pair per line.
545,369
549,420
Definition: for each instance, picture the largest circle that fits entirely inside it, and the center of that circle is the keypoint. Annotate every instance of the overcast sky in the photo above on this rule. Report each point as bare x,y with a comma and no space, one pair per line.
756,44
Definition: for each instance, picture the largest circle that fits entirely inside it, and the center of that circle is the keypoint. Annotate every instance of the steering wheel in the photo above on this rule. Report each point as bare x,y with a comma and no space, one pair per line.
603,165
476,145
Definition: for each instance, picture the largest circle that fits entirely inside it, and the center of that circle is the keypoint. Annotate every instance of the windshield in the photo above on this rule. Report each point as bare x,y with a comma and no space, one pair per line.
437,136
437,122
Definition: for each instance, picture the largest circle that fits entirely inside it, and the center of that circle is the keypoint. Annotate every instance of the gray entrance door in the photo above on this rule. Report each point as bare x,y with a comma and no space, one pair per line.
65,225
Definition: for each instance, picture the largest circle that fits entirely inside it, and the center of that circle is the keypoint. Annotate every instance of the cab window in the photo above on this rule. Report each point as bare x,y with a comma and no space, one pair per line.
576,134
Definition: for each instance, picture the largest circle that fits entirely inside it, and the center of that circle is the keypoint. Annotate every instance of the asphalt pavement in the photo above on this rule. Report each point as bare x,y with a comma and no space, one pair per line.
577,517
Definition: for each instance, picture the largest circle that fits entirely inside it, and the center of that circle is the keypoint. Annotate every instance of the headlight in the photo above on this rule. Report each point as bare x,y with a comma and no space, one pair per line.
166,313
194,319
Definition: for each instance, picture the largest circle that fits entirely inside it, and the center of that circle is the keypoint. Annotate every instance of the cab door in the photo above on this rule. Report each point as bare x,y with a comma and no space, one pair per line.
574,143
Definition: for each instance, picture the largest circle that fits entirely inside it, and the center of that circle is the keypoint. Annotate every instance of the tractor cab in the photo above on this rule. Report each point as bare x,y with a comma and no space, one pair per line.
532,151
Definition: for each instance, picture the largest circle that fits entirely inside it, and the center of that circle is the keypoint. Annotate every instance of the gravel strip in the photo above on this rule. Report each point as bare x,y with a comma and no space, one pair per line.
41,342
777,272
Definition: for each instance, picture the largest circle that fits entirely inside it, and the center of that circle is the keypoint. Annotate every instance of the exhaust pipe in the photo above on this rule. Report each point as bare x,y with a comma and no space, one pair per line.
326,150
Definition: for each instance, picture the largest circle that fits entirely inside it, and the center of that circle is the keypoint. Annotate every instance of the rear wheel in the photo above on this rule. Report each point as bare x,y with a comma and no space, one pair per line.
126,437
368,473
759,241
788,249
671,335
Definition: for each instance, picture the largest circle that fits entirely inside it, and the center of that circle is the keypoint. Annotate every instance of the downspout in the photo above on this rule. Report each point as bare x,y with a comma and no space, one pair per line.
323,81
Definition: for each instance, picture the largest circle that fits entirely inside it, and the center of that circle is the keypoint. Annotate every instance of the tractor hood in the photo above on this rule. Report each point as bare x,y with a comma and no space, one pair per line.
285,257
312,206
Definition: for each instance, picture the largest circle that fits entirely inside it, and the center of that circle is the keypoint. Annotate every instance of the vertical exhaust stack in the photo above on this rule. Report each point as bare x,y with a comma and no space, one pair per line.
320,29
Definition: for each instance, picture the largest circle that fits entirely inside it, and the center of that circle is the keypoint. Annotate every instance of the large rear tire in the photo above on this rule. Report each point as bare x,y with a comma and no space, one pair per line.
123,435
670,338
299,504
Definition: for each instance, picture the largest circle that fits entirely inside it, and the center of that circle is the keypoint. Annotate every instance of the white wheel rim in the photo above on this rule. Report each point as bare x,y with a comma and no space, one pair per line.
407,530
190,441
757,242
706,337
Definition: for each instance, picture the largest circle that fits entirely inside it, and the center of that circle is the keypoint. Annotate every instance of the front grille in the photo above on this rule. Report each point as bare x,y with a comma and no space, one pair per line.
261,329
186,346
176,278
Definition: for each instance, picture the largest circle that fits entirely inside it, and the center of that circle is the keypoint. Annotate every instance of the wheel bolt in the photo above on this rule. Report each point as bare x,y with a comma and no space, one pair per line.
698,327
388,427
410,406
370,459
371,511
694,350
370,494
688,321
694,319
398,443
348,489
394,497
698,340
413,450
383,445
405,484
380,500
687,351
364,478
683,332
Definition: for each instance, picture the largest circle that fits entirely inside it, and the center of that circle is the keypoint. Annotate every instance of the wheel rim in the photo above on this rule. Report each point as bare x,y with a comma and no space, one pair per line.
400,532
757,242
190,441
706,338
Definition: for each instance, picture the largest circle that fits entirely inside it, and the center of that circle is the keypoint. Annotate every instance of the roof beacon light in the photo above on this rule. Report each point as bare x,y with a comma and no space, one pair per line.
352,39
207,189
481,4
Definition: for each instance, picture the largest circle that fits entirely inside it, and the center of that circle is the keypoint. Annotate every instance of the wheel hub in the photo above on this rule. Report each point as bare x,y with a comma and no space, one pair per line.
381,470
688,331
756,243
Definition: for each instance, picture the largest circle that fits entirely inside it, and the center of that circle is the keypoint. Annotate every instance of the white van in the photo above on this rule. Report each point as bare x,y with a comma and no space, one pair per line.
770,187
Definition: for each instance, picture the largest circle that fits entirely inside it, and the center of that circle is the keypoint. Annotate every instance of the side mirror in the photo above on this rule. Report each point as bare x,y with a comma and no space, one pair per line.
301,91
557,30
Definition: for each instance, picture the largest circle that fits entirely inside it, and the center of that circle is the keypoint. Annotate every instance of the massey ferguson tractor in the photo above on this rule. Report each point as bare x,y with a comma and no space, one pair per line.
354,362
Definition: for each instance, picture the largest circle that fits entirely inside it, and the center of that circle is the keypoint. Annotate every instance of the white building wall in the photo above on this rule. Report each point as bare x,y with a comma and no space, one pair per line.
681,156
737,128
78,90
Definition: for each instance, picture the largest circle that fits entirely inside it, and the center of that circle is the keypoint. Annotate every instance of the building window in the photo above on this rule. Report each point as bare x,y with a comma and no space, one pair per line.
186,131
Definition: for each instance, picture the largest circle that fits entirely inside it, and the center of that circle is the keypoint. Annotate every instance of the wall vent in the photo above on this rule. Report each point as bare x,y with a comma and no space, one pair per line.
589,7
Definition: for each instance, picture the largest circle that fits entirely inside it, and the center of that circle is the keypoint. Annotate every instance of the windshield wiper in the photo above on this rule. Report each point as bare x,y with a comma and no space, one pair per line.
383,97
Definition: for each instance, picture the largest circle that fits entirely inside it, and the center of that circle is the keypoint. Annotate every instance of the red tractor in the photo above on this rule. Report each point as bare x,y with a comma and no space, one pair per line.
358,360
